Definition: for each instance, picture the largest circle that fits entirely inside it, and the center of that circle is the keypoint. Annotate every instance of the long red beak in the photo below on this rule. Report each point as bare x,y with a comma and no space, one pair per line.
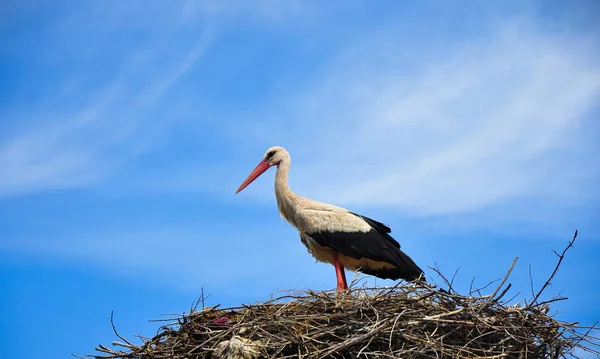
259,170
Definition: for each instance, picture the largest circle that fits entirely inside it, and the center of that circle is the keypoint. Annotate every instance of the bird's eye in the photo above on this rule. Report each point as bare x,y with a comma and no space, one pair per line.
270,154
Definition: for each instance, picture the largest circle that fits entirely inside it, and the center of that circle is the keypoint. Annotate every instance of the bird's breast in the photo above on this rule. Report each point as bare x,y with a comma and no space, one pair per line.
287,211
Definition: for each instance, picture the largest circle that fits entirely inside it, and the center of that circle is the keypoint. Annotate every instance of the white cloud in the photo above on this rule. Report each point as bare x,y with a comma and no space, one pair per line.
76,147
486,121
83,131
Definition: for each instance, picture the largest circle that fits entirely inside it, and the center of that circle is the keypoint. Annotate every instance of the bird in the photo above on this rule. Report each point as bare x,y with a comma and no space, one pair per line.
334,234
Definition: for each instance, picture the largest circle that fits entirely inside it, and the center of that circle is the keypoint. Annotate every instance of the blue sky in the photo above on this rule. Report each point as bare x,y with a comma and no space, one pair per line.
471,128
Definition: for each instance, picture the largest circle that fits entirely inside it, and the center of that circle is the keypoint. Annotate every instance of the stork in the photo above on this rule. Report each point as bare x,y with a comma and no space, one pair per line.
333,234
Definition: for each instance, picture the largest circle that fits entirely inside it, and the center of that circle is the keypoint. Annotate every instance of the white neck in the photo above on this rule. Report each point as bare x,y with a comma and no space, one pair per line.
286,199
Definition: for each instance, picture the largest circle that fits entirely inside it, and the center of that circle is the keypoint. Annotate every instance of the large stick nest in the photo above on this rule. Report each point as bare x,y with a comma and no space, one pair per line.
405,321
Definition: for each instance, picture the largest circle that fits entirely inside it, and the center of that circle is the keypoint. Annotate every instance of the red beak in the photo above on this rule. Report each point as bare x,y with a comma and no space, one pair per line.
259,170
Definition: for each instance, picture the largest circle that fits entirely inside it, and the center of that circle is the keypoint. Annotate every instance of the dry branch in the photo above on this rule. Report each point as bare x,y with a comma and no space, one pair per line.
560,259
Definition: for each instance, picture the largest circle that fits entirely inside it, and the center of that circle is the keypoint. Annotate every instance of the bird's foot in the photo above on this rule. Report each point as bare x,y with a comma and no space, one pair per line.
341,287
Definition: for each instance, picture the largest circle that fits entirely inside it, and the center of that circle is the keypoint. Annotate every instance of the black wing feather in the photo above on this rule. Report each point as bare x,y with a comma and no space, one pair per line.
381,228
375,244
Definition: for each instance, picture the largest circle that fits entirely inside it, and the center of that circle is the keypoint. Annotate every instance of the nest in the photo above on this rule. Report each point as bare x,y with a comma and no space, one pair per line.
416,320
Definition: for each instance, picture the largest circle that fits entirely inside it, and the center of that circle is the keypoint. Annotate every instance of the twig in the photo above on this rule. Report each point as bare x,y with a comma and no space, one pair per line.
560,259
115,329
531,282
491,297
497,299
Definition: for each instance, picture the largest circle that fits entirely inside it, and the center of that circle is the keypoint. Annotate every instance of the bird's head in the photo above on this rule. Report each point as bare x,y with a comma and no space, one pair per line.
273,157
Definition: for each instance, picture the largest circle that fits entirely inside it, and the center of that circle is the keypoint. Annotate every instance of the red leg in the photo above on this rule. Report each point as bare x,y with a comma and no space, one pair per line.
340,274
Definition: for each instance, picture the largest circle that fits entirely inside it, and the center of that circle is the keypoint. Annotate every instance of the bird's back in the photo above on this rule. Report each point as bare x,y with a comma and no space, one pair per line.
356,236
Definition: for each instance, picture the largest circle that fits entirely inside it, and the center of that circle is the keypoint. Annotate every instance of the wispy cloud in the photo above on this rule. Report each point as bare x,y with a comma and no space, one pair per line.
90,126
485,121
78,145
500,118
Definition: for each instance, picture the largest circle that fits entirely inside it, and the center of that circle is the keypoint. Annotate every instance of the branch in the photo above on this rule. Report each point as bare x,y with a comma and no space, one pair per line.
560,259
112,323
491,297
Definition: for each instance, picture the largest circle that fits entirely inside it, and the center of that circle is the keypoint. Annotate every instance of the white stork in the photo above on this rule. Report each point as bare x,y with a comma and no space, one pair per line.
333,234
